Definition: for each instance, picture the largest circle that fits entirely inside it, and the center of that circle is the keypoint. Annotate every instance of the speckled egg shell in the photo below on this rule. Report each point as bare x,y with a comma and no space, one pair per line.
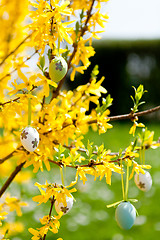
58,68
125,215
65,209
143,181
29,138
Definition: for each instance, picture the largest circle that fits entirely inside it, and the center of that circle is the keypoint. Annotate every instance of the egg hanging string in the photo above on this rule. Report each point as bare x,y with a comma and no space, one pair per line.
58,43
62,176
122,180
29,111
127,182
142,148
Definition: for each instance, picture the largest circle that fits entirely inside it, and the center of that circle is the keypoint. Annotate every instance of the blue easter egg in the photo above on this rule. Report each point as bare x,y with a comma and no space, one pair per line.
125,215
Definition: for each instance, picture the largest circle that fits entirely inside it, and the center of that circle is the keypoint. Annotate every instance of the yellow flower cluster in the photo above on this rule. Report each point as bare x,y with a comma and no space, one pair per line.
50,192
61,117
8,205
48,23
13,31
64,118
53,190
12,20
50,223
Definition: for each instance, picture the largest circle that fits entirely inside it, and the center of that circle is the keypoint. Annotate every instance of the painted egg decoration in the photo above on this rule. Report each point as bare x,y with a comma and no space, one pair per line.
59,206
29,138
58,68
125,215
143,181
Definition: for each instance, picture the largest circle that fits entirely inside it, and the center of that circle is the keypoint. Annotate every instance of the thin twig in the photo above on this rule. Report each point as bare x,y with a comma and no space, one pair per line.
11,177
50,213
2,160
116,118
84,29
129,115
16,99
10,101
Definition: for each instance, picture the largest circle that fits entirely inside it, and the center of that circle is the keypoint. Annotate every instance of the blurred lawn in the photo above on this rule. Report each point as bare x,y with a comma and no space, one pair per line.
89,219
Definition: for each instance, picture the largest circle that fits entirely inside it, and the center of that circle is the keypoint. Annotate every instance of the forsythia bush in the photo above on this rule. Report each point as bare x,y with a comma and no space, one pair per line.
42,125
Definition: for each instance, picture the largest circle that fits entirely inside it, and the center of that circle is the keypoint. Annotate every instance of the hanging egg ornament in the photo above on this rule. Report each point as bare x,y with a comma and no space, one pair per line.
29,138
59,206
58,68
125,215
143,181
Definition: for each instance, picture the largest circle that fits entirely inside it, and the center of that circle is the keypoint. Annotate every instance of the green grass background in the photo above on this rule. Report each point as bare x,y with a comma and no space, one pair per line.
89,218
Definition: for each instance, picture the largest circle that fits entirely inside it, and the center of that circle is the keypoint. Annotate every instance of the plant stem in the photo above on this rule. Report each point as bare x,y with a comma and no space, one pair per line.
143,154
122,180
140,156
58,43
127,182
62,176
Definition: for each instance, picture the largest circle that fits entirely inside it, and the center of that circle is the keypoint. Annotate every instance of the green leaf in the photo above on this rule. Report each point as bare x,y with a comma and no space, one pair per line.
65,54
134,143
120,153
132,99
77,28
106,102
49,53
39,67
90,150
138,95
42,61
94,72
141,103
82,15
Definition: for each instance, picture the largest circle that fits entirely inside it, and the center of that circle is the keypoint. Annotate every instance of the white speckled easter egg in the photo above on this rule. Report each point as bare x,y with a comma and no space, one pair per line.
65,209
29,138
58,68
125,215
143,181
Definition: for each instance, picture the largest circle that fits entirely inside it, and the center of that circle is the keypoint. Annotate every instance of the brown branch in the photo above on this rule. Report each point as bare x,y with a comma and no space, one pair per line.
129,115
84,29
116,118
72,55
10,101
50,213
92,163
2,160
10,179
15,49
16,99
151,110
133,115
7,157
